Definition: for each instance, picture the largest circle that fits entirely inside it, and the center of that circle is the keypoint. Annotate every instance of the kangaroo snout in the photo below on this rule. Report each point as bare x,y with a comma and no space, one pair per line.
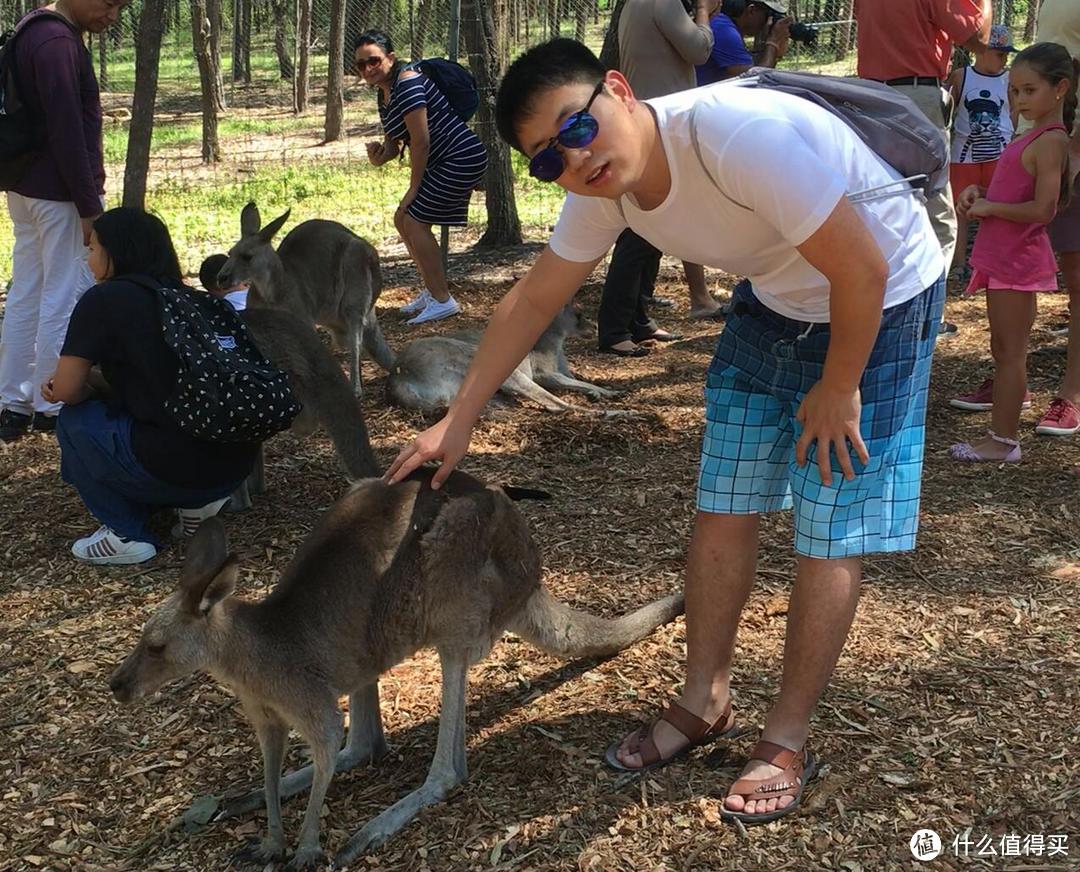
121,684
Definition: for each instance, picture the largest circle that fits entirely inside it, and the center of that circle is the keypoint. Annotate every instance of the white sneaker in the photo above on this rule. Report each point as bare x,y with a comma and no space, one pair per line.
103,546
191,518
417,303
436,311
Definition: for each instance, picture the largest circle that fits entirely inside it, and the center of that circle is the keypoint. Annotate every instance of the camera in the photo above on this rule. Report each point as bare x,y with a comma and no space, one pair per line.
804,33
798,31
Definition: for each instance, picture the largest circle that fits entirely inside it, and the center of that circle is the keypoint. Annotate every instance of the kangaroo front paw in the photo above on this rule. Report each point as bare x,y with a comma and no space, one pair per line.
306,859
268,850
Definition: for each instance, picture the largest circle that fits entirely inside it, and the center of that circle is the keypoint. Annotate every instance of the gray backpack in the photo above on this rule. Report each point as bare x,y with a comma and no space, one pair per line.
888,122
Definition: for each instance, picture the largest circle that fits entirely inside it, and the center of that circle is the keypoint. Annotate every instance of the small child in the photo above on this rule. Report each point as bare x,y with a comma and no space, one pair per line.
982,122
1012,259
236,296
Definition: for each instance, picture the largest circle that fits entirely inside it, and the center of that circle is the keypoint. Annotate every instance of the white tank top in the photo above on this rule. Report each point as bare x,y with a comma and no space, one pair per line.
982,126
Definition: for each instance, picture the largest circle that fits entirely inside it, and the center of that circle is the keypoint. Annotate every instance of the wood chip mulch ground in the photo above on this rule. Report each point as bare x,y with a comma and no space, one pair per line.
953,706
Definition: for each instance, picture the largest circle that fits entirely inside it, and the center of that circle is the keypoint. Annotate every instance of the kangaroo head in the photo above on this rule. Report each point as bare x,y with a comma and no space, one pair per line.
570,322
253,259
176,640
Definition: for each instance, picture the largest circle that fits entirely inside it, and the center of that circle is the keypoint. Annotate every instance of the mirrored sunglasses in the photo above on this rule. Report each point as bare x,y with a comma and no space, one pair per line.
577,131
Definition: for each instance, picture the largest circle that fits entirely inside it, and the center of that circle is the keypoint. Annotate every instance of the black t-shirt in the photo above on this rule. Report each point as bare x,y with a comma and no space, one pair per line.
117,325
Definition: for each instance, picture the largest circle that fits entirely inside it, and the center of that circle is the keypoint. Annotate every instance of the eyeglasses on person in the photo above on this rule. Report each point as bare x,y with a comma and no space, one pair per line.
577,131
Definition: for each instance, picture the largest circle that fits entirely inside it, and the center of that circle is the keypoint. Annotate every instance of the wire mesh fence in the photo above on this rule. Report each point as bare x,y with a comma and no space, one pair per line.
271,75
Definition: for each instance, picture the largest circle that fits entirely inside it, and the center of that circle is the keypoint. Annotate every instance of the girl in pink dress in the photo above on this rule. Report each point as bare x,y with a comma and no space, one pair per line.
1012,259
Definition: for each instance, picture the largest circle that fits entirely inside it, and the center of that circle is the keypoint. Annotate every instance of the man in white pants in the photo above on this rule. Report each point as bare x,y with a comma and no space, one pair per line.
53,203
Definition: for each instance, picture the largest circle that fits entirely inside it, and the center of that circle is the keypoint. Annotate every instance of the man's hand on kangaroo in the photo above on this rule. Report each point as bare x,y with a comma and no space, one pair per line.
443,441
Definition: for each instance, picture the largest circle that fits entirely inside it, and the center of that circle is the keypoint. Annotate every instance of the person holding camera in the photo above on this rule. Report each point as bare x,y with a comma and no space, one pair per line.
737,20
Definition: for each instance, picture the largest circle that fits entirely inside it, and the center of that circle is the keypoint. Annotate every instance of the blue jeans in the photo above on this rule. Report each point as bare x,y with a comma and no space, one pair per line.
96,458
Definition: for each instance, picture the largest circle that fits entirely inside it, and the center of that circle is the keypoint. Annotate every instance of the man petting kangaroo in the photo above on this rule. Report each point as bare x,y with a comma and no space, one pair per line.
815,398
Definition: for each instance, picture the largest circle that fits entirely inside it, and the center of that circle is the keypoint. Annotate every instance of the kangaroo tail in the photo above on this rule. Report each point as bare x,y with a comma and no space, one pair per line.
556,628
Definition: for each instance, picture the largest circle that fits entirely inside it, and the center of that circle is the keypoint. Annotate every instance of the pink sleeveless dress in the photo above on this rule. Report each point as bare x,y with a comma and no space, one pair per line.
1009,255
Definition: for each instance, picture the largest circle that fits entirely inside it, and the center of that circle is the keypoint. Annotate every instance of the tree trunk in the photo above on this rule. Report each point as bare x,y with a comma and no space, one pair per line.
103,63
241,56
200,33
423,26
213,14
147,52
281,40
582,15
303,61
609,52
335,98
485,24
1030,25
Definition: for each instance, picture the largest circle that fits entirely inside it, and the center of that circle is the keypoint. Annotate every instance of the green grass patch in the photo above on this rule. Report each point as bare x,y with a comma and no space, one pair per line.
204,215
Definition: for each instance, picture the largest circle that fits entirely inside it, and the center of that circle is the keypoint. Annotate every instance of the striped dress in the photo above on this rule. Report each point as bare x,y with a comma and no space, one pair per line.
456,158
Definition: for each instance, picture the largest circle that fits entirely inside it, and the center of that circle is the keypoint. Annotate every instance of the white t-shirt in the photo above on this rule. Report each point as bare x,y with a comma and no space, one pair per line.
787,162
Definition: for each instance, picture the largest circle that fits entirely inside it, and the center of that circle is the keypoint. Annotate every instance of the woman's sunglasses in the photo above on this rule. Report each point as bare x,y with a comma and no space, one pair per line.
577,131
368,63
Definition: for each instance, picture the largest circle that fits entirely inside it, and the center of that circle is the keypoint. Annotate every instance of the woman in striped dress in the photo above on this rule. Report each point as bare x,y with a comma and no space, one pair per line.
447,160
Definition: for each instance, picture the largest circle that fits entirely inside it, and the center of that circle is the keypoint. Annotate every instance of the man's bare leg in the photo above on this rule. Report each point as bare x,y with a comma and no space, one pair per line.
720,571
819,616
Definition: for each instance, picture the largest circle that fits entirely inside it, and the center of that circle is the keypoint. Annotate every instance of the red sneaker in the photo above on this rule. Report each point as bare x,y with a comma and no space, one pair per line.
1062,418
982,399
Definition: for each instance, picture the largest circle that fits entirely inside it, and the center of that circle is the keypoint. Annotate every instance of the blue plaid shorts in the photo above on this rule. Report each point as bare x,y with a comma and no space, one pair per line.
763,367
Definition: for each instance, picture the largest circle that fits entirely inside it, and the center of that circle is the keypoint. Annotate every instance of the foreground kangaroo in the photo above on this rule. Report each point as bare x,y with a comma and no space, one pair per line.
389,569
322,271
293,346
429,371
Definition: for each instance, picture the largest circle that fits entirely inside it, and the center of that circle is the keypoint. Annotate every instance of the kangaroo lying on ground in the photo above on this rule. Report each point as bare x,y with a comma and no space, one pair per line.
429,371
388,570
322,272
293,346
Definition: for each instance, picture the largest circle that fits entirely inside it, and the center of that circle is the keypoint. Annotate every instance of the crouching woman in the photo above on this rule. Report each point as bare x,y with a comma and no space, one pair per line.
124,453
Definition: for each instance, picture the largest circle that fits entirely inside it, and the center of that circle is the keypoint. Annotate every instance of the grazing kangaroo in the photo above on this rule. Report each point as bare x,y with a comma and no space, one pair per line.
322,272
429,371
293,346
389,569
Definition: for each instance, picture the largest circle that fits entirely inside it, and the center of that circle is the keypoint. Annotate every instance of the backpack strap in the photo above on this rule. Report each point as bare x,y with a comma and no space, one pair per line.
696,141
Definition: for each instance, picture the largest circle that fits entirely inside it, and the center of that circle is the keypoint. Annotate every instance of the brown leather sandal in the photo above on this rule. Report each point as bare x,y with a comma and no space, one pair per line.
697,731
799,767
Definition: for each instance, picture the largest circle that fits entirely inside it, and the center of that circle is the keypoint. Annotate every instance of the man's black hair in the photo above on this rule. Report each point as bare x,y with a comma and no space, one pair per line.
208,272
138,243
547,66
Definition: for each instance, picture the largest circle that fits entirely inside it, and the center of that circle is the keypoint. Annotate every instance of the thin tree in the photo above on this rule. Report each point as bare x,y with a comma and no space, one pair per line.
200,34
281,39
241,54
303,61
1031,23
485,24
147,54
335,80
213,16
103,63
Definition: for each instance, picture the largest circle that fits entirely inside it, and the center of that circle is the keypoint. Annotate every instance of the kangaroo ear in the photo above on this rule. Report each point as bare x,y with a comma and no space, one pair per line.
250,220
220,586
206,558
267,233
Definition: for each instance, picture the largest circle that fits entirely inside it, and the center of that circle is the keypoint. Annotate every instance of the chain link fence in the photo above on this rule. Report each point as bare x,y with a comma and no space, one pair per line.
272,62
